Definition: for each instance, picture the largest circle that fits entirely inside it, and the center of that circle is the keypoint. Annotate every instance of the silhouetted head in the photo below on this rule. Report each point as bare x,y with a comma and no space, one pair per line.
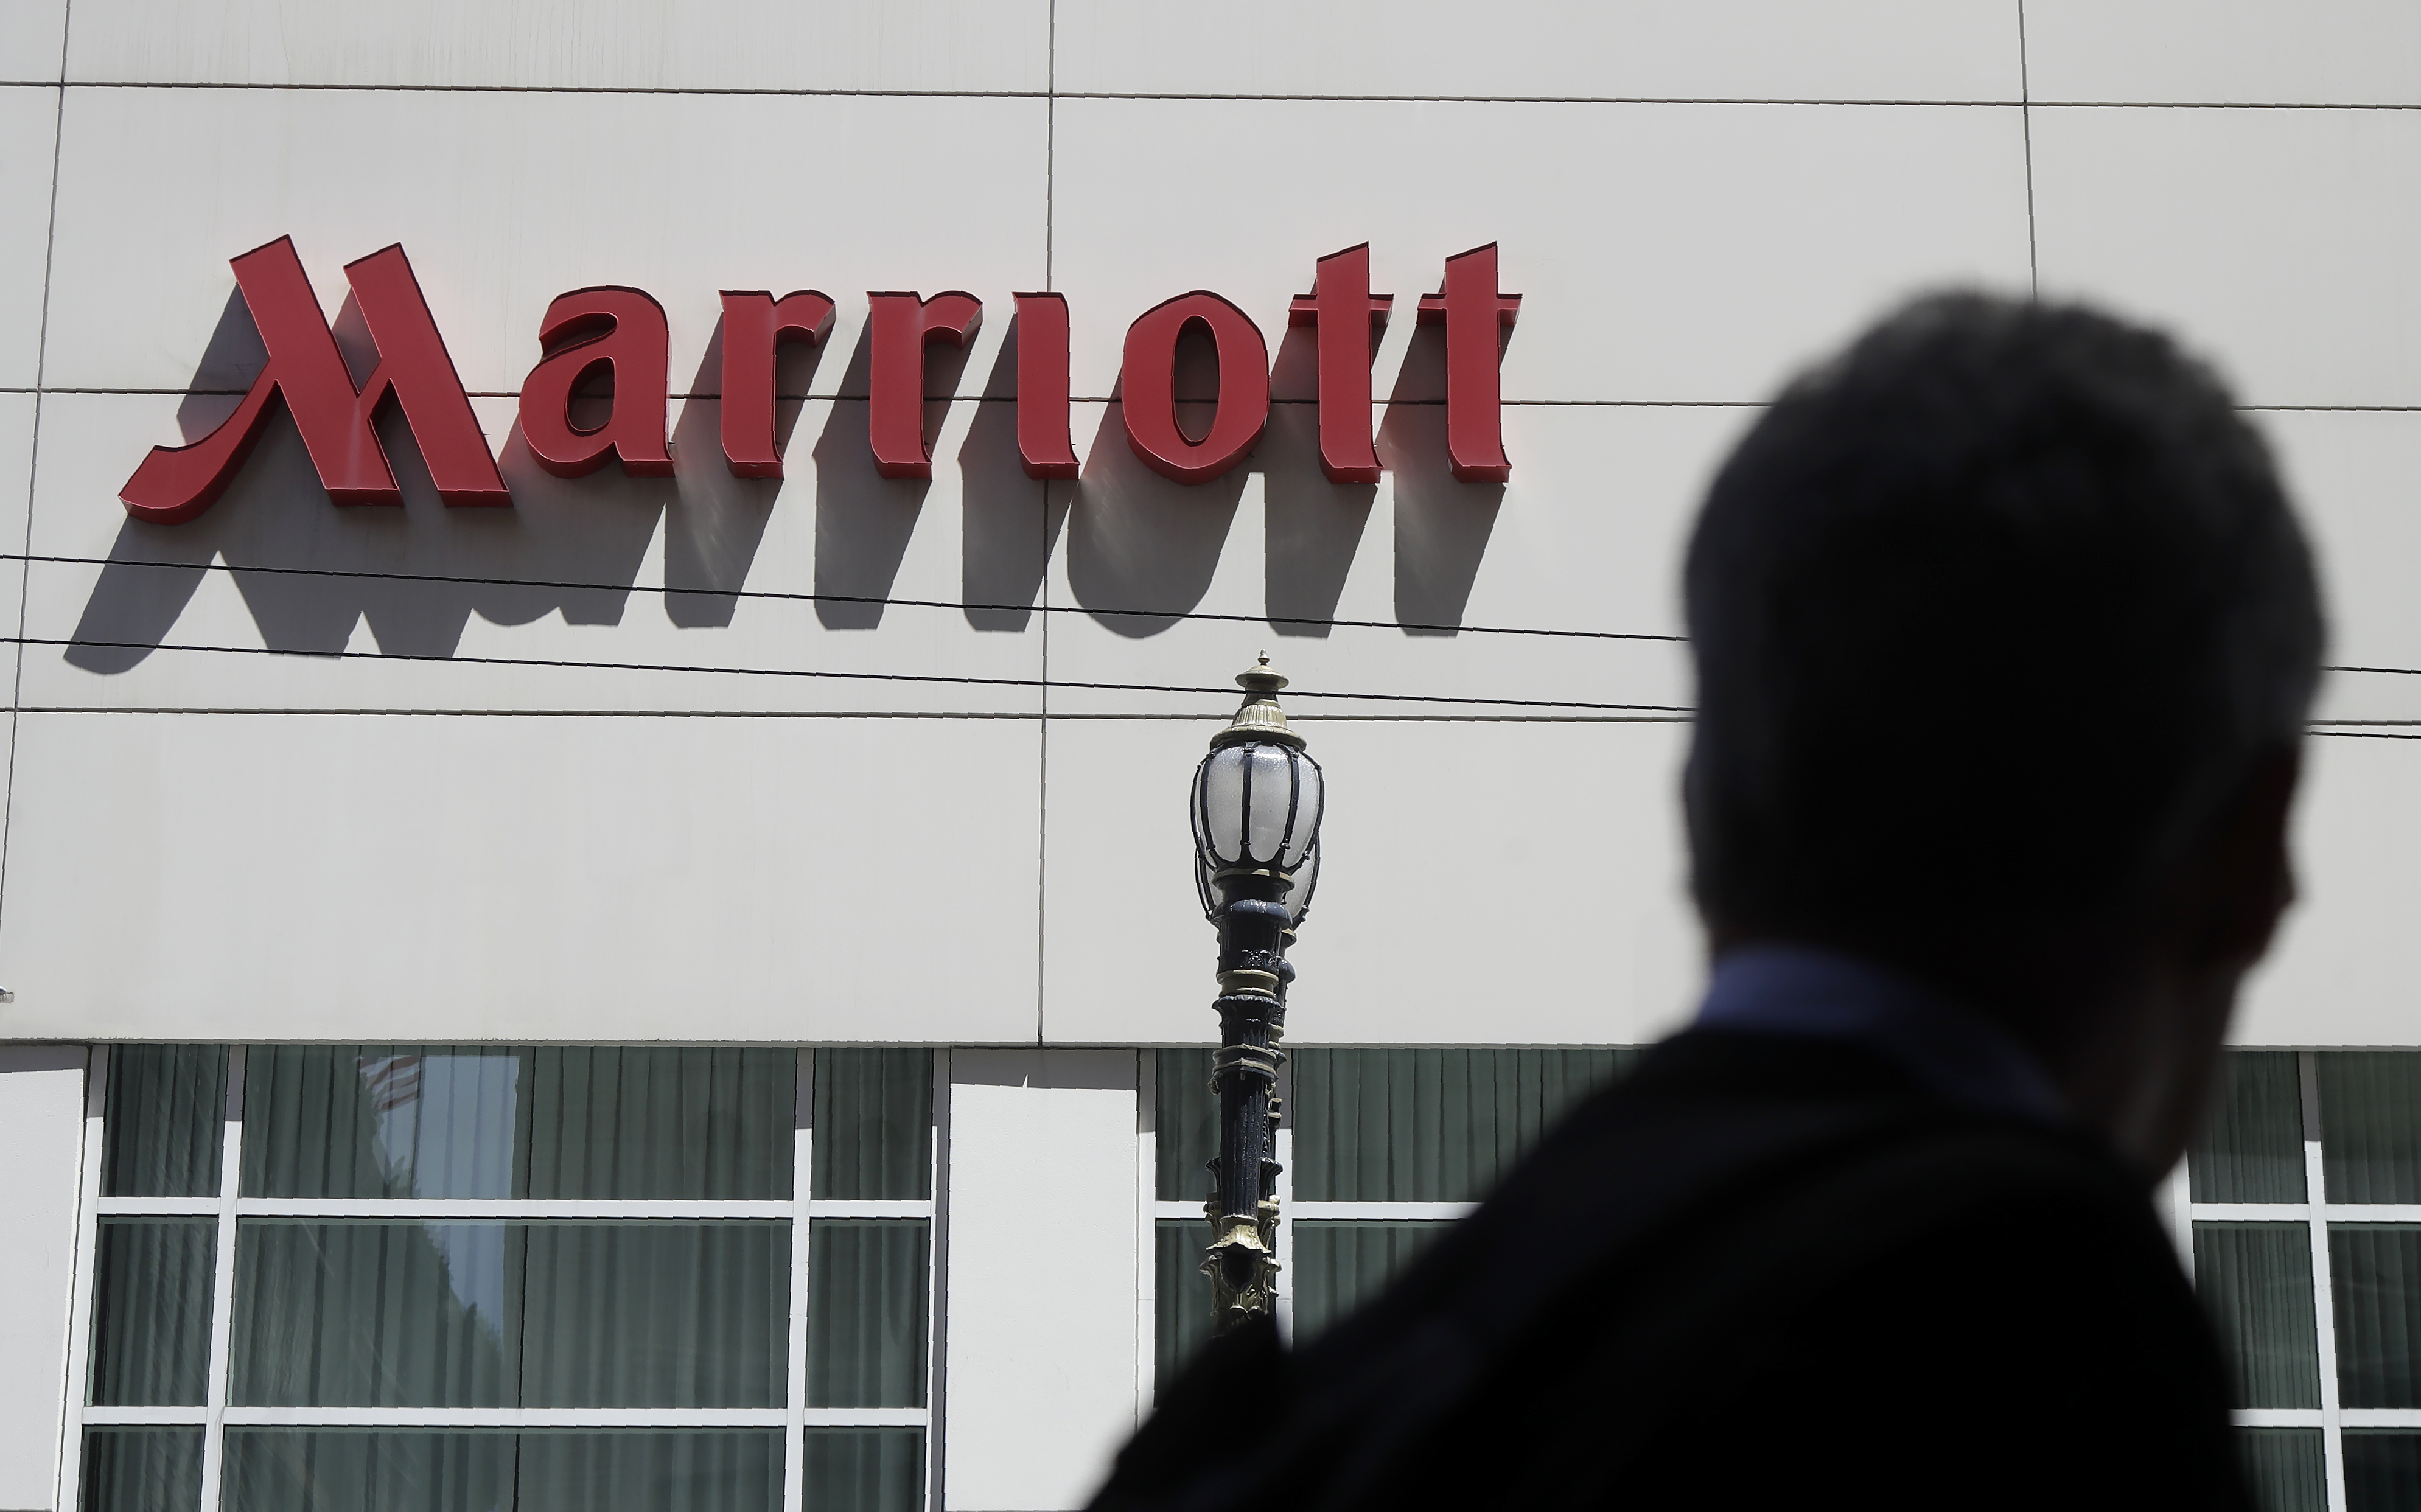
1996,614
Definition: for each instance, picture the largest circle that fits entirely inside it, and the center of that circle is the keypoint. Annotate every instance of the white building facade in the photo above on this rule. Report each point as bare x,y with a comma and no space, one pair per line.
669,989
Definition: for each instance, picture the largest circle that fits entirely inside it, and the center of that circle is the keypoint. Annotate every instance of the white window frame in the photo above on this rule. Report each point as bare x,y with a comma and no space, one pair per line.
2316,1213
794,1417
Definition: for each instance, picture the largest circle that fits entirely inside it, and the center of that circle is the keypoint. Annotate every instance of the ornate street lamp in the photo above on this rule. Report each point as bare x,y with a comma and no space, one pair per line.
1257,802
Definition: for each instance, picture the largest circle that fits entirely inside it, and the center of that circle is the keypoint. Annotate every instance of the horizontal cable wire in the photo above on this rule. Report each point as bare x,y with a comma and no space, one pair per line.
928,677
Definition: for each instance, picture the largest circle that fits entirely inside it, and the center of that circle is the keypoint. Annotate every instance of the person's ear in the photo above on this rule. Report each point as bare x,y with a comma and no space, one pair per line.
2243,878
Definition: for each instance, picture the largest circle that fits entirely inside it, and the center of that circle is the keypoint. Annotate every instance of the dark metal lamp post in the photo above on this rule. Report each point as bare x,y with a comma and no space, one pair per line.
1257,802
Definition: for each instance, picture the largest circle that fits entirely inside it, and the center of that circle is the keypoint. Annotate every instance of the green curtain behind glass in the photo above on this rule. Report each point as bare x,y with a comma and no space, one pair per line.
873,1125
866,1302
167,1121
2256,1280
1429,1125
480,1121
1185,1124
858,1470
151,1311
2383,1470
575,1313
1338,1265
2375,1283
2284,1469
142,1469
1180,1296
669,1469
2251,1149
2370,1125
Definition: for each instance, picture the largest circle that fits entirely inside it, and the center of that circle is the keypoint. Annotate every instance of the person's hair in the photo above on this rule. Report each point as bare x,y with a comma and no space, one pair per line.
1990,612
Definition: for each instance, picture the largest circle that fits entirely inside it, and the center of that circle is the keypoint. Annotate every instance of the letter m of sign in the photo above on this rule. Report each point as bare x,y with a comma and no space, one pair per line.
307,372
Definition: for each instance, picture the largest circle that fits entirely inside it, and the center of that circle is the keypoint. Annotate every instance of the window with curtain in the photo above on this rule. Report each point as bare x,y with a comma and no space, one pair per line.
417,1278
1383,1150
2305,1200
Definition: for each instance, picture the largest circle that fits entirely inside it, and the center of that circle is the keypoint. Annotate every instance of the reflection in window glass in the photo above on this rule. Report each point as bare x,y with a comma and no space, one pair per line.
854,1470
2382,1470
142,1469
2257,1280
418,1121
2375,1278
2252,1150
866,1301
151,1312
579,1313
1339,1266
2285,1469
1185,1124
873,1125
2370,1125
652,1469
1429,1125
167,1121
1181,1296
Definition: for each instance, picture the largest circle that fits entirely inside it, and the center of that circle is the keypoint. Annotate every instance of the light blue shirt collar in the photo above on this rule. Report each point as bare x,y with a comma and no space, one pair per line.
1955,1052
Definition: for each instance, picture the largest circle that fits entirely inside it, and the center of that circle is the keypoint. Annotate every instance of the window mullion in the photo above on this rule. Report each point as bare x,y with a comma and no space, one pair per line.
2324,1323
88,1238
1147,1232
794,1438
222,1282
937,1265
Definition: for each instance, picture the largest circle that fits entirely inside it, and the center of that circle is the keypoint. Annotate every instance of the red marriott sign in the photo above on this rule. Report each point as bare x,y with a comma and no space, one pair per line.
623,332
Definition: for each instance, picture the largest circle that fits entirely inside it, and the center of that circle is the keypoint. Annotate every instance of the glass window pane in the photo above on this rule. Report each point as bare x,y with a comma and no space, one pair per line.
656,1315
336,1470
2256,1279
142,1469
1185,1124
1338,1265
2251,1149
874,1125
376,1314
662,1123
2370,1125
2375,1278
2282,1469
656,1470
151,1311
382,1121
865,1311
1429,1125
853,1470
2382,1470
1181,1296
167,1121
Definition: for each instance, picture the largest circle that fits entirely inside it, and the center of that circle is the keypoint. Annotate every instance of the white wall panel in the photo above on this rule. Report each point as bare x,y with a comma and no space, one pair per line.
506,200
1663,252
28,125
1585,541
1480,884
42,1129
2340,973
1042,1325
2225,52
1531,49
626,45
578,571
30,36
589,879
2281,241
2357,478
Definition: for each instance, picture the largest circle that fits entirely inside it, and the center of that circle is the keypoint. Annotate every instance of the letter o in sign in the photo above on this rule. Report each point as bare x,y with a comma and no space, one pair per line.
1149,395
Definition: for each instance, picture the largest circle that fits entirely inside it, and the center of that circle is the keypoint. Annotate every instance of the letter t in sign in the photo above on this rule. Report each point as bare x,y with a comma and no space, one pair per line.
1472,312
1342,307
